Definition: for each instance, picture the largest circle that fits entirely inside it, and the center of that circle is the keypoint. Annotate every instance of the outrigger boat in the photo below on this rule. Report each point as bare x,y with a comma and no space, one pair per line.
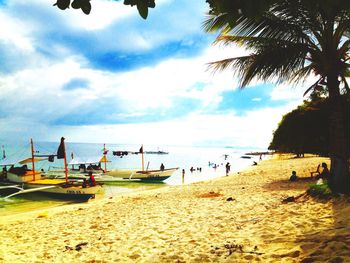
153,175
26,180
145,175
115,175
80,167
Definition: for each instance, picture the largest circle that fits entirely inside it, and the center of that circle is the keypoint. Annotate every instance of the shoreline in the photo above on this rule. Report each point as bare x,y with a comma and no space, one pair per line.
236,218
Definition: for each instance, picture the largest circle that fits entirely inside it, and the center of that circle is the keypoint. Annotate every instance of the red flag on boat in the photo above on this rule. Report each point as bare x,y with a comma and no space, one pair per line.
141,149
60,150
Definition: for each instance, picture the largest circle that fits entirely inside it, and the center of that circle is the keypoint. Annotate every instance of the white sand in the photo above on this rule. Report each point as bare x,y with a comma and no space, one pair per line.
192,223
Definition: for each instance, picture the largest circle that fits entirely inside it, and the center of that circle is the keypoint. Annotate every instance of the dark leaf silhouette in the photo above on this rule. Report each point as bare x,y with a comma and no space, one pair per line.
62,4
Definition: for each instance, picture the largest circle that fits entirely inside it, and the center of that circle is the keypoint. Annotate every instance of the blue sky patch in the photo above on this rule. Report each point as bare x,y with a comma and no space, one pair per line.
248,99
77,83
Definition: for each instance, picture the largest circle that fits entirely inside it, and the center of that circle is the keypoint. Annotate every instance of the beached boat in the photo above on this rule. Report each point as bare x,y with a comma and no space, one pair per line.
29,180
153,175
116,175
144,175
80,167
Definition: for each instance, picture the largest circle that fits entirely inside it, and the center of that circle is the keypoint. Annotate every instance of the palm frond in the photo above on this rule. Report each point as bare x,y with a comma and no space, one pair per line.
313,86
288,42
215,23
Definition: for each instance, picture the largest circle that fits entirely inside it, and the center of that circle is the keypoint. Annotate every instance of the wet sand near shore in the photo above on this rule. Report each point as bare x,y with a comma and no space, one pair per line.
238,218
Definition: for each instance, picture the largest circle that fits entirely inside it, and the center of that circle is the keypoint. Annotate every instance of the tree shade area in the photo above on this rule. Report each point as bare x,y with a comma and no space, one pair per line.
289,41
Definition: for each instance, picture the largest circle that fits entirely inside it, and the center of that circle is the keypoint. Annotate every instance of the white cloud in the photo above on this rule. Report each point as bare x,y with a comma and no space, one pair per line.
135,92
251,130
14,33
103,14
33,96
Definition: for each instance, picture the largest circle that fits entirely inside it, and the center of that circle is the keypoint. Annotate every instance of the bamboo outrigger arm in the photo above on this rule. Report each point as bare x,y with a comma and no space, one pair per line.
24,191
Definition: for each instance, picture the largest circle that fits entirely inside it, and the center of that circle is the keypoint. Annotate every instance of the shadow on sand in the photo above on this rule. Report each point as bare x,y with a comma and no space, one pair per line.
326,237
302,183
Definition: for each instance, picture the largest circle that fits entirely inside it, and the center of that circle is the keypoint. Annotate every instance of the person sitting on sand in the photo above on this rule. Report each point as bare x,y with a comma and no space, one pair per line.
84,185
324,174
315,172
92,181
293,177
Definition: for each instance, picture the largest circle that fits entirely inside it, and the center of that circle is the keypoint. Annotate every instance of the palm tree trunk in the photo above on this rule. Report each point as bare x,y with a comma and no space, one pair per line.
340,178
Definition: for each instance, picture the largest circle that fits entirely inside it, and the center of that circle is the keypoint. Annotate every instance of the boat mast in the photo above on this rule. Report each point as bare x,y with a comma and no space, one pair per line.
65,161
143,159
105,155
3,152
33,162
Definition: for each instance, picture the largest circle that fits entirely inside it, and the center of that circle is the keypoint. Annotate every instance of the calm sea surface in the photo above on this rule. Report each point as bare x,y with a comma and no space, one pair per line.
182,157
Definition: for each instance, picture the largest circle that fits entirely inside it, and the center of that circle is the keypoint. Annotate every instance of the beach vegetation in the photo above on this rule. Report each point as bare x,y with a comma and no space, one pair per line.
301,131
320,190
289,41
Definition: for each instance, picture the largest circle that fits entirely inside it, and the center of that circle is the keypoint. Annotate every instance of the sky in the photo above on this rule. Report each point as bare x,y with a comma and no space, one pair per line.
113,77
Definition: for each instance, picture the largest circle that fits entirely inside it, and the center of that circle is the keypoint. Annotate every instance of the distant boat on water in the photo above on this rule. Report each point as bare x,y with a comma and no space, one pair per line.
125,153
156,152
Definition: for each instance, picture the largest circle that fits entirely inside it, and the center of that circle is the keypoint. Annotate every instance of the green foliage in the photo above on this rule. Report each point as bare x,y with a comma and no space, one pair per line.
320,190
305,129
288,39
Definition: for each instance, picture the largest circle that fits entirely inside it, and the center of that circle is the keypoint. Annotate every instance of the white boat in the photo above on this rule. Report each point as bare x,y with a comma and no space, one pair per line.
153,175
99,177
116,175
144,175
28,180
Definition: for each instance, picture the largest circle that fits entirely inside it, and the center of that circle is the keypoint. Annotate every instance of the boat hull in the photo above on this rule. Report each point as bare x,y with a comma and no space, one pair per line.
153,175
54,187
67,192
28,176
125,174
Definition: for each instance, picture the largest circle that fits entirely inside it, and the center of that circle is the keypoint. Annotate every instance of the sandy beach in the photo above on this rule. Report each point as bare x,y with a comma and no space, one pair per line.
238,218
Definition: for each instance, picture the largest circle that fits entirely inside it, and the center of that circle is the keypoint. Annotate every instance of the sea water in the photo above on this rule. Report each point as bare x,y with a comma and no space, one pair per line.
207,163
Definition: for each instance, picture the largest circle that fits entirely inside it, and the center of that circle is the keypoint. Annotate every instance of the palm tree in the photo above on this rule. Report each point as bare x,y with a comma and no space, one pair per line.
289,41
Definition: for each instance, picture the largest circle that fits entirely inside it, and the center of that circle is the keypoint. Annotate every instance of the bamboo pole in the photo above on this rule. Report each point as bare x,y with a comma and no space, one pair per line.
65,161
105,155
33,162
143,159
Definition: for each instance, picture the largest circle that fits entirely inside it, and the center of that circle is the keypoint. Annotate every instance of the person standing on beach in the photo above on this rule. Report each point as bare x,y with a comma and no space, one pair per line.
228,168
